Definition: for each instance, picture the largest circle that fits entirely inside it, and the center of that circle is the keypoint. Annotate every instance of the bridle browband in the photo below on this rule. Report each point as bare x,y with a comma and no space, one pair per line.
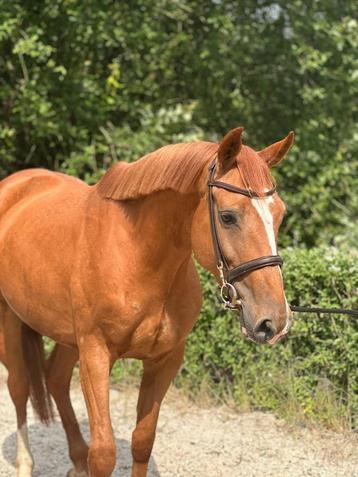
228,292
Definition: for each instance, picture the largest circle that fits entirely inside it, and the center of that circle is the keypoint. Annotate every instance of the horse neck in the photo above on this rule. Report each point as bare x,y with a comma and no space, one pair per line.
201,238
163,221
154,231
166,218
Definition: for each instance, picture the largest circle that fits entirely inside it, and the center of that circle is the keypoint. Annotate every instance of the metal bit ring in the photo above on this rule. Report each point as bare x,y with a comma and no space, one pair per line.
229,295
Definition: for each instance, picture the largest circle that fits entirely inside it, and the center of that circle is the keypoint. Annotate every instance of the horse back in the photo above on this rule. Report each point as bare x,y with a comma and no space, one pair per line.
25,185
39,224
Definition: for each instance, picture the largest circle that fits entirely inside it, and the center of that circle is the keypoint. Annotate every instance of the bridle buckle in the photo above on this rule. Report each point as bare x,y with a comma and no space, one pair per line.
228,292
220,267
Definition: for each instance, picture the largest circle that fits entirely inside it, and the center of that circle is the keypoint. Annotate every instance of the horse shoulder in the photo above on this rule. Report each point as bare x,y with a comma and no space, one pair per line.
181,310
185,298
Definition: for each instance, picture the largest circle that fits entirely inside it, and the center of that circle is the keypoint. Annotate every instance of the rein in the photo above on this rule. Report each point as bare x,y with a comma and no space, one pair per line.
228,292
228,275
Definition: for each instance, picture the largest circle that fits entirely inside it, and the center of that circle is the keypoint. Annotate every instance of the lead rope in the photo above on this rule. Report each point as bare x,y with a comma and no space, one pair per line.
311,309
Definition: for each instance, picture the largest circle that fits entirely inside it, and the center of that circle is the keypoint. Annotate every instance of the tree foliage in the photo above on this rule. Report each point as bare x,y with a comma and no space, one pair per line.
83,84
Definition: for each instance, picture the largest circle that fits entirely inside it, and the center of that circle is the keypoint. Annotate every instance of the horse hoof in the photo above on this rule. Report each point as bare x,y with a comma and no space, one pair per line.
75,473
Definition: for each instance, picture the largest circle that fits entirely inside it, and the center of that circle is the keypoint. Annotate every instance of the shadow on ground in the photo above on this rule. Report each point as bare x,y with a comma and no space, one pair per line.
49,449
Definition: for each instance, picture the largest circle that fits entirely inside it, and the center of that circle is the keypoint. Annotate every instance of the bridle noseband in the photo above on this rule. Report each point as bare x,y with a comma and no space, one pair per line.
228,292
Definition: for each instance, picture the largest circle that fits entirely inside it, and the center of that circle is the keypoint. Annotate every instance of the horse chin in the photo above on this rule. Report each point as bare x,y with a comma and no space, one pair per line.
276,338
248,334
270,342
282,333
244,330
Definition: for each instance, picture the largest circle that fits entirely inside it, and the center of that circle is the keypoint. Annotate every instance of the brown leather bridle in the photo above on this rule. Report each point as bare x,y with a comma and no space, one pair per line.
229,294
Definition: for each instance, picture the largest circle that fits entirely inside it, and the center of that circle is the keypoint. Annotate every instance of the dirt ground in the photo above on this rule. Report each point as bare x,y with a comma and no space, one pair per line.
191,442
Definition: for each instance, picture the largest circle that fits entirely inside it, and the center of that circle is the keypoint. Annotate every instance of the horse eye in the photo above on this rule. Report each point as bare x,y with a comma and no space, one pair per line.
227,218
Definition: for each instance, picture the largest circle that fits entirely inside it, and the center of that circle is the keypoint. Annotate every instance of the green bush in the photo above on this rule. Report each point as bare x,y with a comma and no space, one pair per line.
85,83
311,374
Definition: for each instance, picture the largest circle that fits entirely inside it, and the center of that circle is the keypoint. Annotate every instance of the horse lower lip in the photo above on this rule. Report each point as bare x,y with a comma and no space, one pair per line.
247,335
276,338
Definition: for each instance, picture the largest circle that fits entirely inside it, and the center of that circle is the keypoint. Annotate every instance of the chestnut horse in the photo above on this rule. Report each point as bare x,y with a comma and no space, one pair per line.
107,272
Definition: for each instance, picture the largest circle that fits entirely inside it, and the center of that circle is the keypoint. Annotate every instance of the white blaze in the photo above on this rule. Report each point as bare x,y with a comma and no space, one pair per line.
262,206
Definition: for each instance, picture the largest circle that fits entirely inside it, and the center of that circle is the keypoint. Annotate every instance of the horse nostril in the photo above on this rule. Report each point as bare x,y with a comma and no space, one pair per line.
264,330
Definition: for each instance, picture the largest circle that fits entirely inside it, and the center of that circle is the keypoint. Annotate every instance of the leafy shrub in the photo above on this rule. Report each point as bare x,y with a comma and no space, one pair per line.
313,372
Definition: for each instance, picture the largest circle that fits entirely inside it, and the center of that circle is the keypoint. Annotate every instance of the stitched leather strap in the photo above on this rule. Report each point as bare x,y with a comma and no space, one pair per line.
238,190
251,265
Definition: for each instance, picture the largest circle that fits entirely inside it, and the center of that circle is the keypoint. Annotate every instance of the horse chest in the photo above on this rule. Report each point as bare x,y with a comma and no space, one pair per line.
144,321
150,337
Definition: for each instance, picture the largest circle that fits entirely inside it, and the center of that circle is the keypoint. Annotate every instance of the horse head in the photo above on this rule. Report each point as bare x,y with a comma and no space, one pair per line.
235,230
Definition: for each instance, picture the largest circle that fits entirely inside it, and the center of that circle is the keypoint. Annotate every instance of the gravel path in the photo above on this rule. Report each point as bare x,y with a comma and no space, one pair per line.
191,442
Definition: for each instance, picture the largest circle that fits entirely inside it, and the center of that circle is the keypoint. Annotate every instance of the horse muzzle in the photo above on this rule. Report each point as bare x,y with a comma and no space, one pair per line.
264,331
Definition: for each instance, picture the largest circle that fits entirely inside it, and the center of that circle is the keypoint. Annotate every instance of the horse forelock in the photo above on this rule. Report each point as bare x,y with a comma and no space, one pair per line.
254,171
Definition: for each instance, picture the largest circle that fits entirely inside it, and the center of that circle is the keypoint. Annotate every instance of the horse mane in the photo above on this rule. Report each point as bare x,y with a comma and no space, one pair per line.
178,167
175,167
254,171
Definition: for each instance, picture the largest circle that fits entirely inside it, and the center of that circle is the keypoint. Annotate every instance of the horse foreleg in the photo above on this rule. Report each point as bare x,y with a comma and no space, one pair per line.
155,383
18,386
2,337
59,374
95,363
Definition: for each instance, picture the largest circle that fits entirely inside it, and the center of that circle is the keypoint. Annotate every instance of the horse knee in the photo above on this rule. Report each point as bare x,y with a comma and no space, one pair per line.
102,459
142,444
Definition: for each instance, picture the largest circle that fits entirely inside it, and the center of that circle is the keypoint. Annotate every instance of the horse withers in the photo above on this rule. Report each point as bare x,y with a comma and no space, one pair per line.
107,272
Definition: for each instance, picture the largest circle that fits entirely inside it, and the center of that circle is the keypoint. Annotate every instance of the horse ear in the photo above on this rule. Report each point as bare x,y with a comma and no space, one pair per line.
229,148
275,153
